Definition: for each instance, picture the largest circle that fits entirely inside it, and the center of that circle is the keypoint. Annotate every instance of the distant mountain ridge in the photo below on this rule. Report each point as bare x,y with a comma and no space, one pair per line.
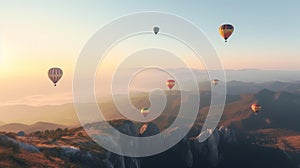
279,110
30,114
239,96
238,87
39,126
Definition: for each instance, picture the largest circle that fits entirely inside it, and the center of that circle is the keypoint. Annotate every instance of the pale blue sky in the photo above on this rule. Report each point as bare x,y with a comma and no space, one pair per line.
266,32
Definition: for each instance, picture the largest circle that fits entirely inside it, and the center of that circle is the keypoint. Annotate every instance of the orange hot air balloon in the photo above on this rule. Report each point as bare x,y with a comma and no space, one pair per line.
55,74
170,83
143,129
255,108
226,31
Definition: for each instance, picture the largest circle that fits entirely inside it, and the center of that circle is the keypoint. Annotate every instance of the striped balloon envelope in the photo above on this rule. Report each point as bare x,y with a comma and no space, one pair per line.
226,31
55,74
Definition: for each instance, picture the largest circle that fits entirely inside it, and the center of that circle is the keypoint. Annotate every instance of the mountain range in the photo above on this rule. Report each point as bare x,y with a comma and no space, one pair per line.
269,139
39,126
66,114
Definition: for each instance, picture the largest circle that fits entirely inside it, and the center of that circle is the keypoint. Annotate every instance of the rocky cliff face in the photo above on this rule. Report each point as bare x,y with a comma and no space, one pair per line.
73,148
210,147
189,148
113,160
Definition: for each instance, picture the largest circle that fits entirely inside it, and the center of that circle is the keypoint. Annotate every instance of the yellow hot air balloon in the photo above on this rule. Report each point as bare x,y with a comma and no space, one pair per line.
145,111
226,31
55,74
255,108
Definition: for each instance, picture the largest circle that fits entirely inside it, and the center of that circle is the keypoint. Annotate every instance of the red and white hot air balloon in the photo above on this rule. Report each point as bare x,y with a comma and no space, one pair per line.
170,83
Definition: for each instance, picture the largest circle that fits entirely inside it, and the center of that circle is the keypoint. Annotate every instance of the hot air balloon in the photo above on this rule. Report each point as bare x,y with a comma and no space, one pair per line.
145,111
143,129
226,30
215,81
55,74
170,83
255,107
155,30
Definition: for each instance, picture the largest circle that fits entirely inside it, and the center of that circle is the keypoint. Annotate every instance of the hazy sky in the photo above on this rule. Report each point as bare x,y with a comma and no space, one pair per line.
36,35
